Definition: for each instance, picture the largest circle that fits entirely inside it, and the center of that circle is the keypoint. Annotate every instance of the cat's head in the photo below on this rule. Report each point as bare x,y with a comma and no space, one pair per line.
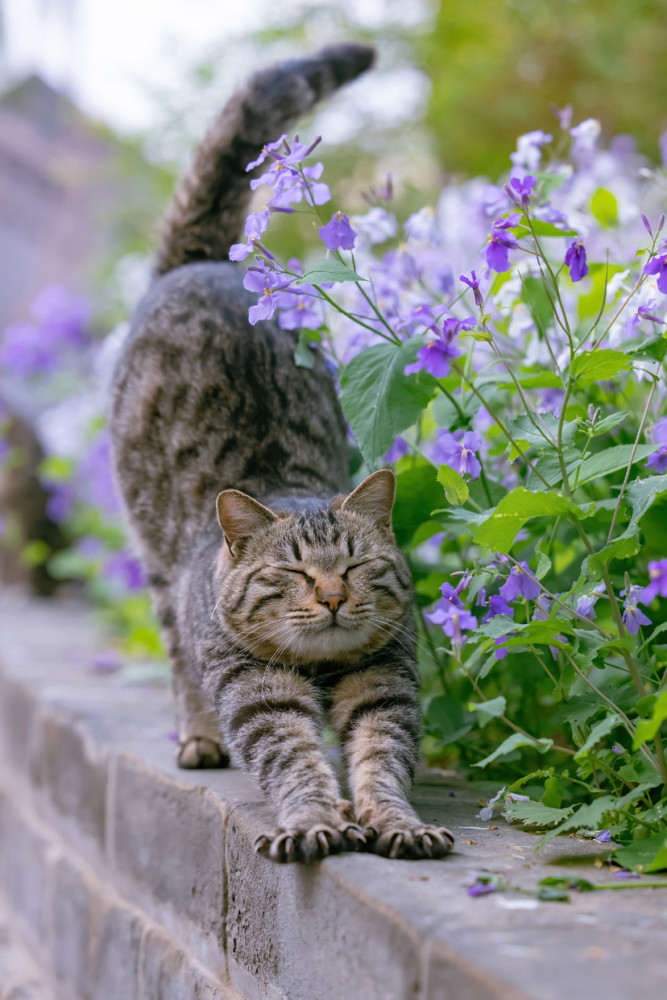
323,584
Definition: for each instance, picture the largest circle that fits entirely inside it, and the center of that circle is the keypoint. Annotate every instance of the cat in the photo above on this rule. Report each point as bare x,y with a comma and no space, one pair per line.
301,611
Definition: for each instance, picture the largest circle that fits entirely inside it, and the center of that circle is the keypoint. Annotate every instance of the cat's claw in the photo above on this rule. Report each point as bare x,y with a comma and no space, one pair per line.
309,845
200,752
411,842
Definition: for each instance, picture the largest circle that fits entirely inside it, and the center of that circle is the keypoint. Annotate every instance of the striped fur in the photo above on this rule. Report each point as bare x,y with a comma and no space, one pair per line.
304,613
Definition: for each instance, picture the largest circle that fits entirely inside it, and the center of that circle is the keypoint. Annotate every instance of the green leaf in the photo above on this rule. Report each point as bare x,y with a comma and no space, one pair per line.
500,529
379,400
647,728
536,813
611,460
513,742
535,296
604,208
417,493
643,493
304,355
522,427
324,271
456,488
445,719
623,547
487,710
499,625
609,422
553,793
592,814
548,229
598,731
649,855
598,366
543,562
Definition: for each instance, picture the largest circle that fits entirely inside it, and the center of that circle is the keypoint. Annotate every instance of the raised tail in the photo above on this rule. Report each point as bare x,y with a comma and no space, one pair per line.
210,204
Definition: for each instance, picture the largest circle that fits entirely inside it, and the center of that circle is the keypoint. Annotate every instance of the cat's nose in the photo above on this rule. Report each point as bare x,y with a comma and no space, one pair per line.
333,601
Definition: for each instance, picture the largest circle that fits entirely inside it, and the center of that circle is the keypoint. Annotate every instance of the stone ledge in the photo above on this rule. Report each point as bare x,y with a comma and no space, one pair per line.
130,878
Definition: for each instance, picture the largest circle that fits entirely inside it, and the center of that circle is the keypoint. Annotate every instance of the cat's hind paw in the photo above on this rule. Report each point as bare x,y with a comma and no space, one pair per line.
200,752
312,844
411,842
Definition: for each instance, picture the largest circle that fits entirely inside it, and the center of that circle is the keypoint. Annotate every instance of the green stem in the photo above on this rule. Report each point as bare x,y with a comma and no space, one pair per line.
496,419
632,458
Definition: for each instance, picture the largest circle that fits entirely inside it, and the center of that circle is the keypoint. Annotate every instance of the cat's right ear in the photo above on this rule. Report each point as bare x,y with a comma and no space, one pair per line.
240,516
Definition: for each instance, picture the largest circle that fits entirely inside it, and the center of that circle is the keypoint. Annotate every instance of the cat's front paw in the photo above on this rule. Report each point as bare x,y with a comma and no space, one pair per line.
409,840
311,844
199,752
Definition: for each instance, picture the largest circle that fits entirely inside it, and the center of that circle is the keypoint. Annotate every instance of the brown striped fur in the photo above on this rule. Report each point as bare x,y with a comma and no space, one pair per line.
304,613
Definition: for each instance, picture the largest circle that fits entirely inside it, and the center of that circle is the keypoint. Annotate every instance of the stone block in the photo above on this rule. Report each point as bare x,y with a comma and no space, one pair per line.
72,923
168,847
167,973
18,707
298,931
69,770
116,954
24,868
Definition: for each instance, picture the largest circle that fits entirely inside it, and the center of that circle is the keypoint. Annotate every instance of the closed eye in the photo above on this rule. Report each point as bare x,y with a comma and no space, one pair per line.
299,572
354,566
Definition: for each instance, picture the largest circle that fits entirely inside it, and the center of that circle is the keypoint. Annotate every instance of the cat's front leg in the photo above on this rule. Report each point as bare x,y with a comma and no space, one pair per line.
272,721
377,717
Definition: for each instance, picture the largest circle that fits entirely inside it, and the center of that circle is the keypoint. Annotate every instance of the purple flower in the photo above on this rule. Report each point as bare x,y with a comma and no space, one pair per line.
500,242
316,190
657,574
123,569
420,318
106,661
480,888
438,351
398,449
603,837
586,606
481,598
454,620
619,751
270,147
521,583
658,265
658,460
255,225
267,283
575,260
498,606
473,283
338,234
633,618
460,455
624,873
521,190
528,153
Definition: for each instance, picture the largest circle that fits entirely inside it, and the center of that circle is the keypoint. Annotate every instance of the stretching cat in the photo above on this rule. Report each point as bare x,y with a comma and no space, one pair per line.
304,612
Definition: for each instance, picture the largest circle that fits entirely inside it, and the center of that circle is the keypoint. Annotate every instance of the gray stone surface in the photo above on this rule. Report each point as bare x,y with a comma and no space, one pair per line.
20,976
177,847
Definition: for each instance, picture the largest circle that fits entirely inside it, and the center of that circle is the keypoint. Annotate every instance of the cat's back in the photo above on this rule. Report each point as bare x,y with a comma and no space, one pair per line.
202,401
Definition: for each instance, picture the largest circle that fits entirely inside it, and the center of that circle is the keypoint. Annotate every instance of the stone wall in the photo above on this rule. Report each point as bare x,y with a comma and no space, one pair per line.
123,878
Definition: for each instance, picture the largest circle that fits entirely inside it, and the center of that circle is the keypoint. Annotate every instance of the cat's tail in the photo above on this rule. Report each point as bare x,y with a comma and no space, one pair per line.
210,205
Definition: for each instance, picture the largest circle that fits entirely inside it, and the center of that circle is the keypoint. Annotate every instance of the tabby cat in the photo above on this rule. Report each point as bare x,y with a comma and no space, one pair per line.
304,612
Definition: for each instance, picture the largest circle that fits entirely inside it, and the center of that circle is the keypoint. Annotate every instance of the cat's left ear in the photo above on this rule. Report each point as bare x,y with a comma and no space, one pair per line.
374,497
240,516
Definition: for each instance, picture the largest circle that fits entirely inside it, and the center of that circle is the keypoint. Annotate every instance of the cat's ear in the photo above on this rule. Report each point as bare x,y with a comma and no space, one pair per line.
374,497
240,516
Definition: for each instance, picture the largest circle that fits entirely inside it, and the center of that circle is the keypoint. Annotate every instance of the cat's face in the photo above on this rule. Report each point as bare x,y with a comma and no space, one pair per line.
328,584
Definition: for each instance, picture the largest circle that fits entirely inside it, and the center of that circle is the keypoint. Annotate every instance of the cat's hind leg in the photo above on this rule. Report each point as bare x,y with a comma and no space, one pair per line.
377,718
273,723
200,743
